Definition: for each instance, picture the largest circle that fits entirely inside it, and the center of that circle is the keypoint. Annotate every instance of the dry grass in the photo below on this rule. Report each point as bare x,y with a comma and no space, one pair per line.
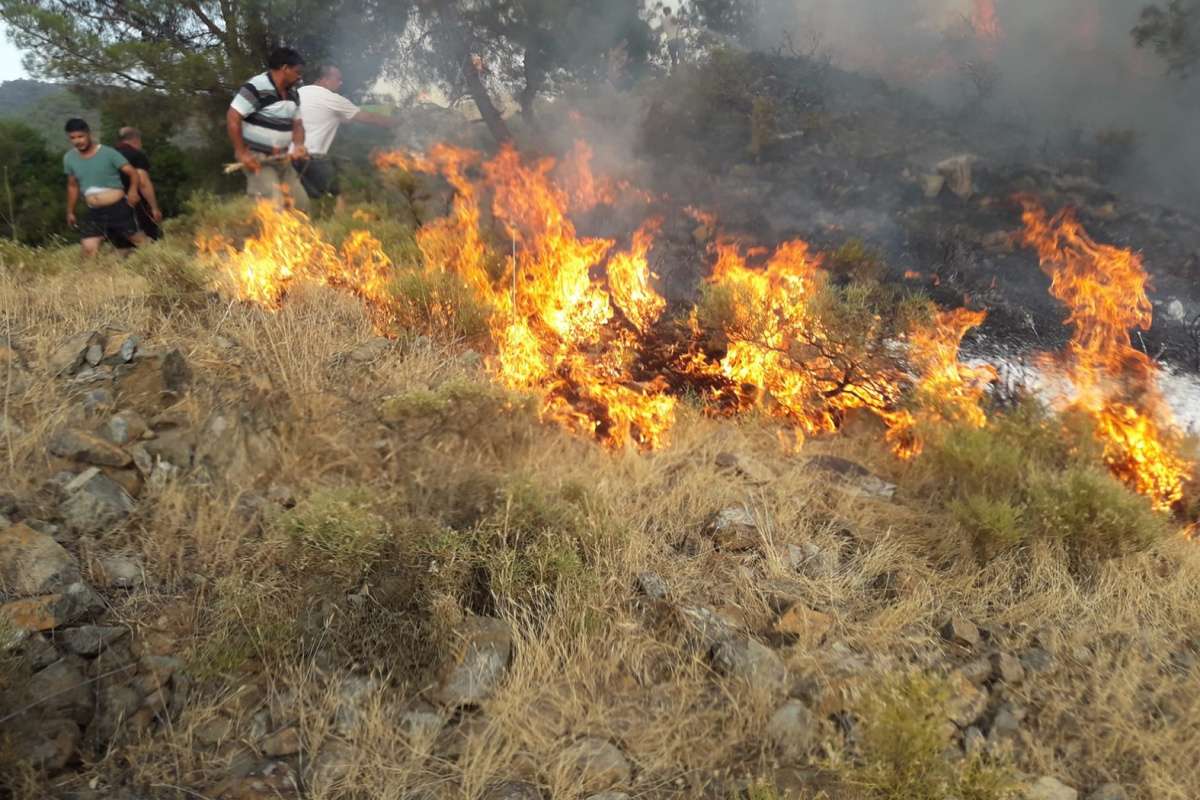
560,564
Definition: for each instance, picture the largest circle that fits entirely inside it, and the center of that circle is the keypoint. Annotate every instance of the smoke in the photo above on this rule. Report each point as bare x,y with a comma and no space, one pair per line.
1063,71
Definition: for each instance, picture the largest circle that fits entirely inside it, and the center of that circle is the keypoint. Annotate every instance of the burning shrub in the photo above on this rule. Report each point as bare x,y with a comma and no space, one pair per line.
903,738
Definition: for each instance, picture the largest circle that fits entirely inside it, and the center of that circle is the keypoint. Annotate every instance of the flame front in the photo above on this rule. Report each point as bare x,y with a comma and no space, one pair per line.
1104,289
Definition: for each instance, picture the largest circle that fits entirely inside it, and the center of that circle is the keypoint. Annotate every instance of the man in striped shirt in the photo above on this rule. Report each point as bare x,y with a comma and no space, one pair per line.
264,120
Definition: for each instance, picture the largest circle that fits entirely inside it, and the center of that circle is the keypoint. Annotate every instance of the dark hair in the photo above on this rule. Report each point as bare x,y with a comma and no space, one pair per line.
75,125
284,57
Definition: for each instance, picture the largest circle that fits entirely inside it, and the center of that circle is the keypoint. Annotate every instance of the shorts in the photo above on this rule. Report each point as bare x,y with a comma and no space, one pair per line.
146,225
115,221
319,177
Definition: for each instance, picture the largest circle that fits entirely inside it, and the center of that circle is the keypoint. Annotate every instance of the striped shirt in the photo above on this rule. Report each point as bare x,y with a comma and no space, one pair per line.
267,116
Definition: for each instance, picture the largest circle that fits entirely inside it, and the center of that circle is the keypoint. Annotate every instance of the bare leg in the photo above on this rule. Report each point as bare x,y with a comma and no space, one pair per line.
90,246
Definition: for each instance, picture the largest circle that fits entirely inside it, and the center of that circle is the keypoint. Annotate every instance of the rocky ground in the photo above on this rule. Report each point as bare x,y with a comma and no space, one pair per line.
259,555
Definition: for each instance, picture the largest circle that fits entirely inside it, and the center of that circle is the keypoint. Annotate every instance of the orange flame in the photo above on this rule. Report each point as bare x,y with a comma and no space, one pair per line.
1104,288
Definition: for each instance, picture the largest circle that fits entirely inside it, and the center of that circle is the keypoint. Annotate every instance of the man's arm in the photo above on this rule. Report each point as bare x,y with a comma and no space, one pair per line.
298,148
233,126
146,187
133,195
72,199
378,120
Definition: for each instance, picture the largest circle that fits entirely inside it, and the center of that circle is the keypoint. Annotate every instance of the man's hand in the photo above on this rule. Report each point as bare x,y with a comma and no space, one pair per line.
156,214
133,198
299,152
248,161
70,218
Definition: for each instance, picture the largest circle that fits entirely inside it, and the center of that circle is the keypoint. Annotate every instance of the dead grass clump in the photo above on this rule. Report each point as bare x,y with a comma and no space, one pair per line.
487,416
245,624
171,269
903,739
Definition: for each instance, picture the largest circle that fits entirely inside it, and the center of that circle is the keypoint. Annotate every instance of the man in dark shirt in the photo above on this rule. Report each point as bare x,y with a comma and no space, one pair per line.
149,215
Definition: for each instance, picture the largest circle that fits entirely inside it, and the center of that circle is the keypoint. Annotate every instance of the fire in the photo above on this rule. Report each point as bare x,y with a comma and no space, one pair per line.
1104,288
985,21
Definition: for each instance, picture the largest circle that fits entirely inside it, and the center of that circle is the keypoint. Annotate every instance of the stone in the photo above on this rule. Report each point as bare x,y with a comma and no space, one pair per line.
974,742
1175,311
121,572
332,765
422,724
792,729
32,563
87,448
962,632
480,663
282,743
48,745
69,355
1005,725
1037,659
854,478
114,706
174,447
90,640
95,401
978,671
958,174
746,468
1048,788
752,662
595,764
932,185
1007,668
94,503
120,347
354,698
125,427
37,651
270,781
652,585
804,623
812,561
371,350
967,701
511,790
703,627
735,529
51,611
94,353
60,690
1109,791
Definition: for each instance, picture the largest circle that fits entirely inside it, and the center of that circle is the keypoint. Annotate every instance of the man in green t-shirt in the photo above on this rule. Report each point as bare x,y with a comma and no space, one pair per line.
95,171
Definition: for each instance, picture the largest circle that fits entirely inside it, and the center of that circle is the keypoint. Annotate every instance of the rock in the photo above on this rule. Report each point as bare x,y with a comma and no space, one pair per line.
37,651
52,611
422,724
932,185
371,350
595,764
735,529
962,632
1109,791
94,353
60,690
270,781
792,729
212,732
176,373
703,627
121,572
854,478
88,448
96,400
481,661
94,503
332,765
354,697
812,561
282,743
609,796
69,355
746,468
1047,788
978,671
1007,668
125,427
806,624
512,790
46,744
652,585
32,563
967,701
120,347
89,640
114,706
974,742
174,447
1037,659
958,174
750,661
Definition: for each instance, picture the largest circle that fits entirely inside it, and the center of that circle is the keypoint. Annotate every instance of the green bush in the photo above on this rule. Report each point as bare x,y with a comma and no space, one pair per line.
475,411
335,531
903,741
1093,511
855,261
438,304
171,268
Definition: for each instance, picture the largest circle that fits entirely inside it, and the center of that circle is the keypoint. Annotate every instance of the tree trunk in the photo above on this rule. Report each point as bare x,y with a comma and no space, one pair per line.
483,101
533,85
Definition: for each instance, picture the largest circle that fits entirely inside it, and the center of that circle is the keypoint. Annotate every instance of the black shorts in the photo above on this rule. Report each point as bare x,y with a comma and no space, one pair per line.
112,222
319,177
146,225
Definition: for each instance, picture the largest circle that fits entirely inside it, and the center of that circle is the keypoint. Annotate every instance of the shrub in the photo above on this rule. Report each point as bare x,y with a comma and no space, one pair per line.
476,411
904,737
170,268
438,304
1093,511
854,260
246,622
335,531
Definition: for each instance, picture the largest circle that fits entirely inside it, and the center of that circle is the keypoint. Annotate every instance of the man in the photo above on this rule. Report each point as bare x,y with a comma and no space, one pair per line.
264,120
149,215
96,171
323,111
672,32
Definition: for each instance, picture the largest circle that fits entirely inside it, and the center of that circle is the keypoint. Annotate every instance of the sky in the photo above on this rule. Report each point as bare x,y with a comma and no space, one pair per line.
10,58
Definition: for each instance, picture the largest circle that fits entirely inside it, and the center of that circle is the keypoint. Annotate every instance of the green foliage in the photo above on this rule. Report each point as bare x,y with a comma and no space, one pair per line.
1033,475
763,125
247,622
170,268
1173,32
32,187
475,411
206,214
855,260
903,739
335,531
18,258
438,304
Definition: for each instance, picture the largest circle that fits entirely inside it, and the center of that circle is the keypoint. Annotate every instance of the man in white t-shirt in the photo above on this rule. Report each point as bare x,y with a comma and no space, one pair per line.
323,111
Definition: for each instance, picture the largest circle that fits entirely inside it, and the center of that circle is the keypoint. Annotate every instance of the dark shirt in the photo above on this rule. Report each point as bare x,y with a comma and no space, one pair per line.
136,158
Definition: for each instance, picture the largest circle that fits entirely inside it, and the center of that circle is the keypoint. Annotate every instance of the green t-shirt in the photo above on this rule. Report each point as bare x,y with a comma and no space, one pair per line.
101,171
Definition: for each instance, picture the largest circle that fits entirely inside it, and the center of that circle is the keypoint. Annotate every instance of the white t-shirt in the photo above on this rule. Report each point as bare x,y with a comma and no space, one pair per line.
322,111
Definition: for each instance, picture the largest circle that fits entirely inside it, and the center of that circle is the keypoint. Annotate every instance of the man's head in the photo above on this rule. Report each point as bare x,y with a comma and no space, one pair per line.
287,65
130,136
79,133
330,77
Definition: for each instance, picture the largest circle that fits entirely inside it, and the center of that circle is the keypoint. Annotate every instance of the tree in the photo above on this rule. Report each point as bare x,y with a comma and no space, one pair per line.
32,203
198,51
1173,32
